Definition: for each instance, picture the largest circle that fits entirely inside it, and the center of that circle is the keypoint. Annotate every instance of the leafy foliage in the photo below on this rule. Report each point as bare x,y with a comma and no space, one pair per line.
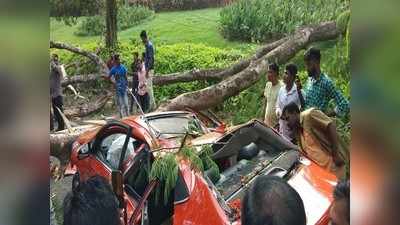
69,10
165,170
127,17
260,20
189,153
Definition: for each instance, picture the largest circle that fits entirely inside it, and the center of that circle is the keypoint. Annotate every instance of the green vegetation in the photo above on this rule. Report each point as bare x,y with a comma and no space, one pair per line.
198,26
165,170
127,18
196,43
260,20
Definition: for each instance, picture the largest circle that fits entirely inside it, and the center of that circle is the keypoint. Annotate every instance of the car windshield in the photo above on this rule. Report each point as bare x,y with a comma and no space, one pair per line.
170,127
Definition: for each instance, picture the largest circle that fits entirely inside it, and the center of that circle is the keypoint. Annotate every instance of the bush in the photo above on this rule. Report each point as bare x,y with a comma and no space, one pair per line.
261,20
127,17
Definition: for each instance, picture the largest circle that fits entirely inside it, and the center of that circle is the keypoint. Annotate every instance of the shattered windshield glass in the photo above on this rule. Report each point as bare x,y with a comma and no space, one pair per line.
176,126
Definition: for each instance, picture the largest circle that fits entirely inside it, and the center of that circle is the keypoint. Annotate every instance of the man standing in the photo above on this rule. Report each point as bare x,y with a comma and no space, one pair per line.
56,76
287,94
149,66
118,76
317,137
320,89
271,93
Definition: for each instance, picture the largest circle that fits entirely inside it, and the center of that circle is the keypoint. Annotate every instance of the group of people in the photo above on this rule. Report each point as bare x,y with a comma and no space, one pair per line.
269,200
141,93
302,116
142,84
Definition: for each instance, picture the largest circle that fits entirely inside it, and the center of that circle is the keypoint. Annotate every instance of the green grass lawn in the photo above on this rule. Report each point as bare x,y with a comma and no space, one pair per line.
198,26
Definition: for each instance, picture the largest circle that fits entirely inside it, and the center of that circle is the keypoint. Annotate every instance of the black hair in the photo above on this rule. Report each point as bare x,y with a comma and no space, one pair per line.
143,34
272,201
273,67
290,108
312,54
143,54
91,203
342,192
292,69
116,57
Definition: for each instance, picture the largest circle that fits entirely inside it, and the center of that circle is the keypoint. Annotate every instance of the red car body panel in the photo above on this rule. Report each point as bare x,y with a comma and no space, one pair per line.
195,211
314,184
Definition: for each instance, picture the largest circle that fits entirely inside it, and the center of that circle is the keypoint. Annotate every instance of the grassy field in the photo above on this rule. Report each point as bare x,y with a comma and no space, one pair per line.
198,26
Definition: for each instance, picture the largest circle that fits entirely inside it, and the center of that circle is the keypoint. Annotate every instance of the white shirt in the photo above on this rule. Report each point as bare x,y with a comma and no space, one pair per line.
284,98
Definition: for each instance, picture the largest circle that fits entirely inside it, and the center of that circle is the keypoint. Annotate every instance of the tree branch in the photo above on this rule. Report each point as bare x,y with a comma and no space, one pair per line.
233,85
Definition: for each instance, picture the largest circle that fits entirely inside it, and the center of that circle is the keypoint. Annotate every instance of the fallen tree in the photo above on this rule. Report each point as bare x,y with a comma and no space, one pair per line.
61,142
103,70
165,79
233,85
89,108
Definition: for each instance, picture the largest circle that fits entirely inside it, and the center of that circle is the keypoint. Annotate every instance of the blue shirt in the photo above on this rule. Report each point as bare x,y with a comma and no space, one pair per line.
318,93
119,74
149,56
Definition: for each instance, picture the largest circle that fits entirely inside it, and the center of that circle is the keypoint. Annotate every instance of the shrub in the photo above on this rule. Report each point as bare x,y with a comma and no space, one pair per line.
127,17
261,20
91,26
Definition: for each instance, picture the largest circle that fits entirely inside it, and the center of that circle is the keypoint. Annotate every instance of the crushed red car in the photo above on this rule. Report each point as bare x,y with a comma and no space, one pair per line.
123,151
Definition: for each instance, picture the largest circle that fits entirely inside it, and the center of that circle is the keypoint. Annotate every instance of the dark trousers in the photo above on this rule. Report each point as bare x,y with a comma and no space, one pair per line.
144,101
58,102
133,102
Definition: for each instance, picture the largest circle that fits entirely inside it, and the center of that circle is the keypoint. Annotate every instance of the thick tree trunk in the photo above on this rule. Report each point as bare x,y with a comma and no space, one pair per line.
233,85
111,23
89,108
61,142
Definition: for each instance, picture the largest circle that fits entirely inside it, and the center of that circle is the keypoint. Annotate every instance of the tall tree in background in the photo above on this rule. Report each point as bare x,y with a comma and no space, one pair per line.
111,23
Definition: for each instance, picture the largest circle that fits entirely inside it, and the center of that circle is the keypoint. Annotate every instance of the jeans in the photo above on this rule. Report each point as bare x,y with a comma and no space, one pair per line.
123,105
144,101
57,102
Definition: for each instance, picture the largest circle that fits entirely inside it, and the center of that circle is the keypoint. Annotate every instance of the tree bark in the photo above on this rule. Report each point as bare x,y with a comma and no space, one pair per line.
61,142
233,85
111,23
103,70
88,108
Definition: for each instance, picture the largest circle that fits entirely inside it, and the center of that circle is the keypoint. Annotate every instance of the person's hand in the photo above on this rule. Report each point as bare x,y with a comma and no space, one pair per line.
298,84
121,216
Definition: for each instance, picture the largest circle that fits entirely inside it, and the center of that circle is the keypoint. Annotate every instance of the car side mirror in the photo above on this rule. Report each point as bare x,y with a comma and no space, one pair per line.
117,183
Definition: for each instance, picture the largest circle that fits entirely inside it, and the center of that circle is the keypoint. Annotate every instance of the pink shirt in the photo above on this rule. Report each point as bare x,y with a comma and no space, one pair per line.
142,81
